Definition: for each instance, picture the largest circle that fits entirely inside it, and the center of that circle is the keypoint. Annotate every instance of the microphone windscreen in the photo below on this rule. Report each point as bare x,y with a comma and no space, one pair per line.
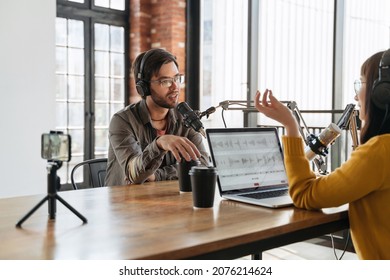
183,108
329,134
189,116
343,122
318,144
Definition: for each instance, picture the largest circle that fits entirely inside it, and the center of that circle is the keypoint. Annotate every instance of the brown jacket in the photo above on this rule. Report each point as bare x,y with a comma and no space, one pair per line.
133,154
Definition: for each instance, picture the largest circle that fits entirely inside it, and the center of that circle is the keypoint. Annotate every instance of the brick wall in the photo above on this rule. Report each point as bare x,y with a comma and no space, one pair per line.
157,24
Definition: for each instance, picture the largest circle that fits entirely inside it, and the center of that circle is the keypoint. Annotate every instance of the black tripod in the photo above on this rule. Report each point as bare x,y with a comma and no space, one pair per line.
52,196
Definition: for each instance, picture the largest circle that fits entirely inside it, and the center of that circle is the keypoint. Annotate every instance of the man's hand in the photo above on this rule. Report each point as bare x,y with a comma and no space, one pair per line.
180,147
151,178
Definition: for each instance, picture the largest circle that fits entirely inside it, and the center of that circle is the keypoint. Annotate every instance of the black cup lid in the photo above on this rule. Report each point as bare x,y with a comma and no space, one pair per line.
203,169
191,162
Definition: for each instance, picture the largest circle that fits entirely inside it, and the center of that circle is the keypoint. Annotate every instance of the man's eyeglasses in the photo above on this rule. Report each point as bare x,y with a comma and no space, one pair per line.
357,85
167,82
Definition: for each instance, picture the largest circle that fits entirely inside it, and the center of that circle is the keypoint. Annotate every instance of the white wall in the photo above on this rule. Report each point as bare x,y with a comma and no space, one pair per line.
27,93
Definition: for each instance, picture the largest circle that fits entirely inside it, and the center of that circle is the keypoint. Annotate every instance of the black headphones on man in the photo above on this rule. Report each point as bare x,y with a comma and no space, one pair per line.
142,85
381,89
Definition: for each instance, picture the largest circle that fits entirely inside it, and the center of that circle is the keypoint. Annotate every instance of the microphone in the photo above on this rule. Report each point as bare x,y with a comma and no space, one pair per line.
344,120
208,112
191,119
318,145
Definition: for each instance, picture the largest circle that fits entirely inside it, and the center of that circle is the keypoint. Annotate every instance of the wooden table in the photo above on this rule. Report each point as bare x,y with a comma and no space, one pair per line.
153,221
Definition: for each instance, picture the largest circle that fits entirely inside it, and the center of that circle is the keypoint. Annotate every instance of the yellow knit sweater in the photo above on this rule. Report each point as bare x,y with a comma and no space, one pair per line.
363,181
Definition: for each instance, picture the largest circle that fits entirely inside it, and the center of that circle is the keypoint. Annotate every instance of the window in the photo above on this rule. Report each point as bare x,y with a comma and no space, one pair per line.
367,31
91,67
70,86
112,4
301,54
295,41
224,52
109,77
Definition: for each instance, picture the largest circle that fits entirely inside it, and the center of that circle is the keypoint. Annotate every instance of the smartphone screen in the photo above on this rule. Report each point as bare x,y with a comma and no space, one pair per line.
56,147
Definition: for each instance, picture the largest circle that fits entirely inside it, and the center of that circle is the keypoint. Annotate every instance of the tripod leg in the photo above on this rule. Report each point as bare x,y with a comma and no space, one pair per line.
19,224
71,209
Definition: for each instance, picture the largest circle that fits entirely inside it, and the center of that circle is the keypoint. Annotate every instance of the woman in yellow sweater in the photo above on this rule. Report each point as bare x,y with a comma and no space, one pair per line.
363,180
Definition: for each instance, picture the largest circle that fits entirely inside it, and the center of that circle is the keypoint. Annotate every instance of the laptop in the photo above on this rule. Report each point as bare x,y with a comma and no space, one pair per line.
250,165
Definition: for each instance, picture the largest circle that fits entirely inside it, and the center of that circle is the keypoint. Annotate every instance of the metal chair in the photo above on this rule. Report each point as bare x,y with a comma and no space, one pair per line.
96,170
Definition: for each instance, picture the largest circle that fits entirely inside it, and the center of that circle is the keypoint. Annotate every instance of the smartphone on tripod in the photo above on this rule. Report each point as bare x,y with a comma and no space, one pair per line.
56,146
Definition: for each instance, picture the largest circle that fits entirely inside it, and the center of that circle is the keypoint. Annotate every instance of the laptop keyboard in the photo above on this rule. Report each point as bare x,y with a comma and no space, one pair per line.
269,194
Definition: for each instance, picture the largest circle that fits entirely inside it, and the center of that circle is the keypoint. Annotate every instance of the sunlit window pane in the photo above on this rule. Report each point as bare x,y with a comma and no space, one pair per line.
117,89
61,87
117,39
102,89
102,62
102,37
118,5
102,3
76,88
76,31
76,114
61,60
101,143
61,31
101,114
61,115
117,65
77,141
112,4
76,61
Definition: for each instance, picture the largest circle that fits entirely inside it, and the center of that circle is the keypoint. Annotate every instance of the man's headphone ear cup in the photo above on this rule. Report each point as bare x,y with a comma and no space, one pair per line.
381,94
142,88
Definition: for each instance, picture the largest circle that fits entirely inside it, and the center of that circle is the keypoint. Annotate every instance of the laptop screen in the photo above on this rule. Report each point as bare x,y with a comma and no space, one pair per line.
247,158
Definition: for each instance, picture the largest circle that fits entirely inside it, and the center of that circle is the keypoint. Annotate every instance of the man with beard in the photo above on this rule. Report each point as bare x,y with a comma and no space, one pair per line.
148,138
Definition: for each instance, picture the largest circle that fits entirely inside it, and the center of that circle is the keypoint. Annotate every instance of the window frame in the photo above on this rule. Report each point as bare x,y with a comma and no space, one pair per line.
91,14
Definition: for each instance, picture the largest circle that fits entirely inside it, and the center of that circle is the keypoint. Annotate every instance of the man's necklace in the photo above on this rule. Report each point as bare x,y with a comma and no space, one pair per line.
158,120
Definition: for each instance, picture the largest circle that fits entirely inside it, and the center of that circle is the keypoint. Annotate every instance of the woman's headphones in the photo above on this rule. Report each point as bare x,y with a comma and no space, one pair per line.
142,85
381,89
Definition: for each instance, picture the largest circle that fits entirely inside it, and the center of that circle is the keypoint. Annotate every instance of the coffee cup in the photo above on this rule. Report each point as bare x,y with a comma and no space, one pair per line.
203,180
183,169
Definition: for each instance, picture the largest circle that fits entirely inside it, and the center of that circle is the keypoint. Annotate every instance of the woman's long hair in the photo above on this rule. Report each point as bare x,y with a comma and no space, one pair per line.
375,123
